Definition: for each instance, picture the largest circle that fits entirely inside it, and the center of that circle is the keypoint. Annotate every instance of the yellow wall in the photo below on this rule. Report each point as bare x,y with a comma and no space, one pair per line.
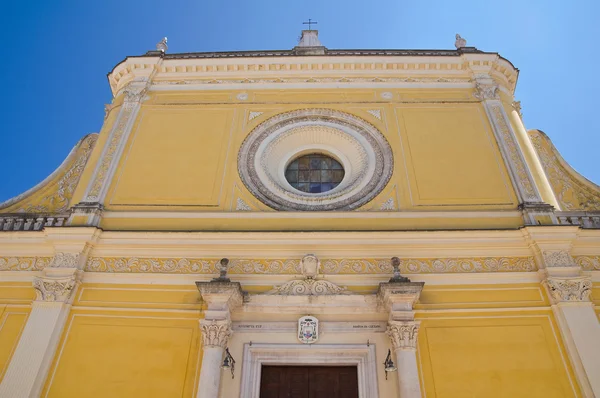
13,316
494,355
129,341
183,149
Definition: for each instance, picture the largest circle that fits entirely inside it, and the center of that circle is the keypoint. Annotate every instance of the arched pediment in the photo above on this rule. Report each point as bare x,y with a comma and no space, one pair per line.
53,195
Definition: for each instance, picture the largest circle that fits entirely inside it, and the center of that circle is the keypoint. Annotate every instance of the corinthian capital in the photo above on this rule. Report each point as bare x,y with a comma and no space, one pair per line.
403,334
486,91
570,289
215,333
54,289
136,91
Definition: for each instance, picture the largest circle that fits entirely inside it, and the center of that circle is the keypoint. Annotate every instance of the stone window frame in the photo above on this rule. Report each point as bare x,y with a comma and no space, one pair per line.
360,147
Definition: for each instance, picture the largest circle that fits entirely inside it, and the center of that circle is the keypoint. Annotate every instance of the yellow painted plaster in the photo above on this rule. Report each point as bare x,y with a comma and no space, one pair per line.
182,152
16,293
494,355
12,322
126,354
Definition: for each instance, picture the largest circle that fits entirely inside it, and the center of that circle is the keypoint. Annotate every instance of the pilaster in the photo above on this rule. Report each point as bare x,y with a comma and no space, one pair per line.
488,91
221,297
33,355
133,96
398,297
569,291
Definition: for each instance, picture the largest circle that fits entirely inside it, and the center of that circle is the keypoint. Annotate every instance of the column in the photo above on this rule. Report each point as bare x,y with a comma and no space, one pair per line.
403,335
221,297
579,326
33,356
215,335
399,296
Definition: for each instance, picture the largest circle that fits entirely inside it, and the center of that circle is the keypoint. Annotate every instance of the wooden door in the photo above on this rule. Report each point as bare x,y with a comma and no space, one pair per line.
309,382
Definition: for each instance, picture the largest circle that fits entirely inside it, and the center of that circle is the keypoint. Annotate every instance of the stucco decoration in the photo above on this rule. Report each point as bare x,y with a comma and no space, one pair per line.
557,258
54,289
572,190
570,289
587,263
24,263
53,195
512,148
307,287
292,266
215,333
361,149
403,334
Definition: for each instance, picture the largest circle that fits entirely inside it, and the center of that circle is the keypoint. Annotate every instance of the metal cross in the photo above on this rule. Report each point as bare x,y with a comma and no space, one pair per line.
309,23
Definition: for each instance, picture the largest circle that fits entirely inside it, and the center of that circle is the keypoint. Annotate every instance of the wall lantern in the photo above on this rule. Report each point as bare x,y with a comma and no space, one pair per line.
389,364
229,362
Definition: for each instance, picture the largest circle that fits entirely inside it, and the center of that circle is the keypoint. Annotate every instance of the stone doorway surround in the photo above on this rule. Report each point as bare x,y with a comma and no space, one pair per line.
360,355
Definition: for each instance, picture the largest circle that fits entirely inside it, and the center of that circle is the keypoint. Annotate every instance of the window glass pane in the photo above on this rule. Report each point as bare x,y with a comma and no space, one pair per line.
314,173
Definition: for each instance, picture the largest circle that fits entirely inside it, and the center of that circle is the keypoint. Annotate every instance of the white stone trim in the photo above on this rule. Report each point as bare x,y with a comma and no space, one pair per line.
512,153
313,214
30,363
361,355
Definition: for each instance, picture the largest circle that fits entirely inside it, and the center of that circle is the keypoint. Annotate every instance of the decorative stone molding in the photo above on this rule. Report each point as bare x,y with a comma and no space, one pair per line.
388,205
330,266
375,112
65,260
240,205
572,190
253,115
308,287
24,263
557,258
54,289
570,289
587,263
315,81
514,156
215,333
58,189
403,334
134,93
361,149
486,91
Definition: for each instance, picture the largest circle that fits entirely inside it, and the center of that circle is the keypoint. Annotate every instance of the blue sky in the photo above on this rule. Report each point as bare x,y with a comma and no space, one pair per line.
56,56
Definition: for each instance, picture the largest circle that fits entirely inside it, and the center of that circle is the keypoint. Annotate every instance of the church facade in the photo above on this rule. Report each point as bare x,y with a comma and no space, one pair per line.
307,222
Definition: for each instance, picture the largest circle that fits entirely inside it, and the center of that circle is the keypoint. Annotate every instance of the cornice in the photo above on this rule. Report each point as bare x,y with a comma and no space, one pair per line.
336,63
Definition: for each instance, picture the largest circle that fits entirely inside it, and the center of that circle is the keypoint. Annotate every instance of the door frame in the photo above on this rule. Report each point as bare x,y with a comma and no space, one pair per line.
360,355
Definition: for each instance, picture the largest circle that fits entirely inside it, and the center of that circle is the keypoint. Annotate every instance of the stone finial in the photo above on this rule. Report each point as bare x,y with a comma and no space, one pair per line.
223,266
162,45
460,42
396,276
